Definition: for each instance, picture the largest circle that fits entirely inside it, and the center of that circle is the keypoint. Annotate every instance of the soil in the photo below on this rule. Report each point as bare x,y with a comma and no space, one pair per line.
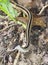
13,34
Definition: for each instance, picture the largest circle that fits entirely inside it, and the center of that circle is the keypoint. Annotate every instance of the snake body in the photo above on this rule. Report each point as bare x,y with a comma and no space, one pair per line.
27,29
28,24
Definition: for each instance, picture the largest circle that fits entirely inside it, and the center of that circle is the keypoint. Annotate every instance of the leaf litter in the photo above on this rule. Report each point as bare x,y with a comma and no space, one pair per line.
12,35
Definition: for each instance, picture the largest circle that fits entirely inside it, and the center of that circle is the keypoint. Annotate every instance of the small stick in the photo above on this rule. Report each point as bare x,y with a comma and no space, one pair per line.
8,27
16,59
42,9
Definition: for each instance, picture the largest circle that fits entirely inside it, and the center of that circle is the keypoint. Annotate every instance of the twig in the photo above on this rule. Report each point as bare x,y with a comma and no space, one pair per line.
8,27
44,7
16,58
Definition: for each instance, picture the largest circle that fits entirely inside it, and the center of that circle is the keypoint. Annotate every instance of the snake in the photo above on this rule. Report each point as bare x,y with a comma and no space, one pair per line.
26,11
28,30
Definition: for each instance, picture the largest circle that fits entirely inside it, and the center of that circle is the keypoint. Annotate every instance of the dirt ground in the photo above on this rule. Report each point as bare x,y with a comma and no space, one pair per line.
12,36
